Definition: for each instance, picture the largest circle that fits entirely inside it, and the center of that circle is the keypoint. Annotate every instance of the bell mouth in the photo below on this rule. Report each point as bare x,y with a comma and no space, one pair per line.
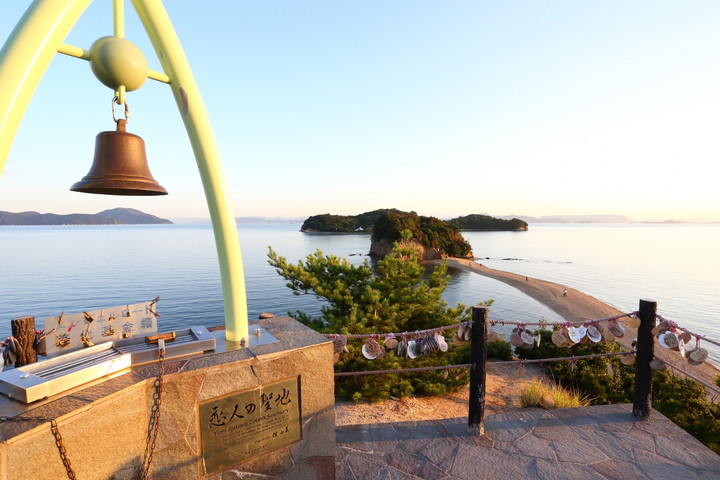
118,185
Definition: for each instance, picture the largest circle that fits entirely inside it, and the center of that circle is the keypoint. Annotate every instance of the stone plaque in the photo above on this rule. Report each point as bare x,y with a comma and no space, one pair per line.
237,427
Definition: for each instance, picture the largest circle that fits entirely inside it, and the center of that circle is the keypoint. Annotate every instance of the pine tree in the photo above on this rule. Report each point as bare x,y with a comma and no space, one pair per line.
394,297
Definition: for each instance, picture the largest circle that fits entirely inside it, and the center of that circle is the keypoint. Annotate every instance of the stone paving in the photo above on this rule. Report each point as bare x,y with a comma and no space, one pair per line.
599,442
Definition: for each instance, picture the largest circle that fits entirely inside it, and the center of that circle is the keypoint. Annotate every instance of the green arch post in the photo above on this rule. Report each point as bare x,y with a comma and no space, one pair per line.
23,61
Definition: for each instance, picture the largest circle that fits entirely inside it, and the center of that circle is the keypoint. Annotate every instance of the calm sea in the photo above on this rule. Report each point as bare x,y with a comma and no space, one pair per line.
48,269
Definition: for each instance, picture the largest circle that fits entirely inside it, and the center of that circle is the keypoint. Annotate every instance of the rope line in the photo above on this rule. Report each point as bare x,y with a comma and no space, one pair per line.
701,382
468,322
467,365
698,337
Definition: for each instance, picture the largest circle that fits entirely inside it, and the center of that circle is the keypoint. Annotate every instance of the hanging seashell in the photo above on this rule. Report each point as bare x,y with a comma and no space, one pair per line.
390,341
559,339
492,336
445,374
520,371
616,329
467,335
697,356
610,371
657,364
402,348
372,349
441,343
537,339
527,337
339,344
571,366
627,359
593,334
633,322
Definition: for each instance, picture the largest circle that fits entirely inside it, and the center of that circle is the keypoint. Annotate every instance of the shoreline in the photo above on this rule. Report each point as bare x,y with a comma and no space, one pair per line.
577,307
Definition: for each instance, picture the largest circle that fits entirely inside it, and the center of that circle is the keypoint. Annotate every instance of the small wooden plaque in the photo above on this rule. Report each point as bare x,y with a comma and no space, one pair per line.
240,426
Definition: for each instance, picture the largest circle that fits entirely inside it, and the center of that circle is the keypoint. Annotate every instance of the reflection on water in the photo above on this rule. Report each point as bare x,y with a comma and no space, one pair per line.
45,270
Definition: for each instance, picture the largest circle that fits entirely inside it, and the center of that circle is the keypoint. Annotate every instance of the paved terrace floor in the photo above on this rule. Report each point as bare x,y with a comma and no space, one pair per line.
599,442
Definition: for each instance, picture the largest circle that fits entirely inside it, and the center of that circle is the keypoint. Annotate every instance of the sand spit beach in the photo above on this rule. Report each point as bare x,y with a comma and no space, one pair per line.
504,382
577,306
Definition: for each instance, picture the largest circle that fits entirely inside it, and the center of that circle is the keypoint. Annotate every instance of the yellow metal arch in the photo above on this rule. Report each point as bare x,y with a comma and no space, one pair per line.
25,57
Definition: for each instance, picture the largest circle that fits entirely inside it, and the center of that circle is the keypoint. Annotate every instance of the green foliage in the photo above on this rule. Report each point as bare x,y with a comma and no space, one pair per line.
328,223
345,223
500,349
429,232
683,401
393,298
488,223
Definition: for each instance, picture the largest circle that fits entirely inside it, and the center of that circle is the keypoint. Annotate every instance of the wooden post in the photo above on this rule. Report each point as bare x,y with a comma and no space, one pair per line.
476,404
23,329
645,347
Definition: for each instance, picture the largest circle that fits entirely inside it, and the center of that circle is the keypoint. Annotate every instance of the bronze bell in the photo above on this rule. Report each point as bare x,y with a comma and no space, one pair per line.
119,166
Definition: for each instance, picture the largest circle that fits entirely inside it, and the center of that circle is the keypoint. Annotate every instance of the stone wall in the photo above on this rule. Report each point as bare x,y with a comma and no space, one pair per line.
104,427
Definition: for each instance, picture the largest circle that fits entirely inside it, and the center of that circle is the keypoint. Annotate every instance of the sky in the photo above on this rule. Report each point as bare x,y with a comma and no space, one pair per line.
445,108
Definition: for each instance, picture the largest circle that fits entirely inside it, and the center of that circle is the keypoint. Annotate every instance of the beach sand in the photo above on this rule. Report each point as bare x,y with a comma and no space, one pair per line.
580,307
503,383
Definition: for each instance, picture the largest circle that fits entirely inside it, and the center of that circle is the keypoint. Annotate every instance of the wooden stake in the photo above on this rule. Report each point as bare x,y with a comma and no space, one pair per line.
642,404
476,403
23,329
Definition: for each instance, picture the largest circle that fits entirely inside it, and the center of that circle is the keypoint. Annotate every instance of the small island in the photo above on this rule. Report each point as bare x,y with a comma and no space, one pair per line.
437,238
365,222
486,223
114,216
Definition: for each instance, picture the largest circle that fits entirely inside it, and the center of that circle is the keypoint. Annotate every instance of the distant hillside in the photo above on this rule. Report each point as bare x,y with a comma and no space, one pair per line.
268,219
115,216
573,218
130,216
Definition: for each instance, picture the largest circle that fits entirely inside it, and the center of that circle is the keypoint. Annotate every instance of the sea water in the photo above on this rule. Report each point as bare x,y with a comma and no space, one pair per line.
48,269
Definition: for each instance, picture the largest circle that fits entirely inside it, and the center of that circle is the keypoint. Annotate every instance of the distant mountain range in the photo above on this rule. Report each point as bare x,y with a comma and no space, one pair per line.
114,216
572,218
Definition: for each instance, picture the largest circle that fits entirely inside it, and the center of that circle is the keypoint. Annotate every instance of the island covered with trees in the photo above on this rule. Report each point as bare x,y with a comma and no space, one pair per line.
365,222
487,223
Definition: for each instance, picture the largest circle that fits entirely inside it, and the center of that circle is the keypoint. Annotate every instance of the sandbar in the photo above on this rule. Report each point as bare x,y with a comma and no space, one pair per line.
576,307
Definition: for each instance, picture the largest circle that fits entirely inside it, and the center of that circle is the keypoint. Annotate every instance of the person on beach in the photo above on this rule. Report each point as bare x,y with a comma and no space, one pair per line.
564,292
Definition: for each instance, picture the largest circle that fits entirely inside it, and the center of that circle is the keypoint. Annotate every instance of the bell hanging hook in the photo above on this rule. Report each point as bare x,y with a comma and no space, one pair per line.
120,121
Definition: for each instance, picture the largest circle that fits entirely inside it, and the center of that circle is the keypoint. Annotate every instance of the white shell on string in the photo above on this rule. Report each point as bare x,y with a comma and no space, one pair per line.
610,371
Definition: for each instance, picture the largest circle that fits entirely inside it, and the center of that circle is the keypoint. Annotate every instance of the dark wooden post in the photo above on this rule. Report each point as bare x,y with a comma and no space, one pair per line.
23,329
645,352
476,404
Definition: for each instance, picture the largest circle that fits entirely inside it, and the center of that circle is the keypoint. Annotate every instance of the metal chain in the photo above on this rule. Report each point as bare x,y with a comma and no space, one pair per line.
154,423
153,427
61,449
56,433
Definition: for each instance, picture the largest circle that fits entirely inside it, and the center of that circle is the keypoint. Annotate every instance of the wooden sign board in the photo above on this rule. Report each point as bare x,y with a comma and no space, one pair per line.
244,425
69,332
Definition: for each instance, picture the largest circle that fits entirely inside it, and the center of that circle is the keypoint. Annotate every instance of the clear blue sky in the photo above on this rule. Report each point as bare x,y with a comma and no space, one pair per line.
443,107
